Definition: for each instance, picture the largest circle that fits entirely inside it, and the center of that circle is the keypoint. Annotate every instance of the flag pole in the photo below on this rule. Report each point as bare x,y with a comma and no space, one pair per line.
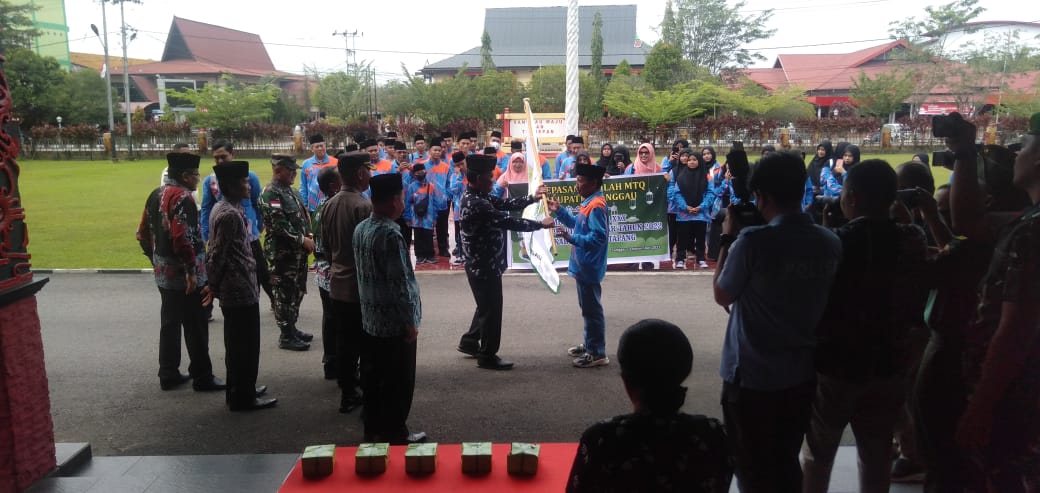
532,146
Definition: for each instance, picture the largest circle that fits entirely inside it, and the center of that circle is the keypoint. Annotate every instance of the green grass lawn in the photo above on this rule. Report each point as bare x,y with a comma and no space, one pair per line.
84,214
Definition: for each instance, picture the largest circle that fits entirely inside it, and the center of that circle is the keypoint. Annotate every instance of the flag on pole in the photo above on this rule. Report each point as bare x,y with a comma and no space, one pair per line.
538,245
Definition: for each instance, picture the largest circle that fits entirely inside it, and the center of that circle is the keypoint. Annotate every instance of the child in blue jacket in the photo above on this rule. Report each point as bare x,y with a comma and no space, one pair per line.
588,263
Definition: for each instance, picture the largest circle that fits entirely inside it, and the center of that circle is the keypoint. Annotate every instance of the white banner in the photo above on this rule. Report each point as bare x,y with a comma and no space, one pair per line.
543,128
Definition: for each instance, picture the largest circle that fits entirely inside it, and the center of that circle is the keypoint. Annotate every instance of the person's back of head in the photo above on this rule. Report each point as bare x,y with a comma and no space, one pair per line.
780,177
872,185
329,181
655,358
912,174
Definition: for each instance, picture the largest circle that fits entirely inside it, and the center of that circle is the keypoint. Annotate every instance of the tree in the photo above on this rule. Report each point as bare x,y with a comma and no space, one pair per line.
884,94
929,33
340,95
37,86
665,67
229,105
622,68
597,47
547,89
83,100
670,31
487,62
590,97
1002,53
655,108
492,92
713,34
16,25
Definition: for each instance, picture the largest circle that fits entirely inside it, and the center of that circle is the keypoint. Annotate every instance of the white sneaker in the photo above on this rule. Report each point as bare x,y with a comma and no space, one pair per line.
576,351
680,265
588,361
702,264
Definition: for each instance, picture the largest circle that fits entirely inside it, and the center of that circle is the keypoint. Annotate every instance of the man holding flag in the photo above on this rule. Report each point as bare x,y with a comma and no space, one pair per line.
484,218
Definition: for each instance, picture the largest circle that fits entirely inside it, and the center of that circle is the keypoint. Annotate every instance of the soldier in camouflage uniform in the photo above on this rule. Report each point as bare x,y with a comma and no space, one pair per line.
288,243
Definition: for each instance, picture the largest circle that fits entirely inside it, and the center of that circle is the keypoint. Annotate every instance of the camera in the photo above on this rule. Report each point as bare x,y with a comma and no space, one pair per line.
943,159
745,212
908,196
944,126
832,206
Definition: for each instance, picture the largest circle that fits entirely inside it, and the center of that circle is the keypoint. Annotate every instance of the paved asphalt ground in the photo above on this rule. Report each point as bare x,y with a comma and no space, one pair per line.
100,334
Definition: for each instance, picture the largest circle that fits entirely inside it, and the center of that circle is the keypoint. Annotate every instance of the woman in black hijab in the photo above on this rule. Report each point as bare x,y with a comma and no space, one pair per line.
621,161
822,159
606,155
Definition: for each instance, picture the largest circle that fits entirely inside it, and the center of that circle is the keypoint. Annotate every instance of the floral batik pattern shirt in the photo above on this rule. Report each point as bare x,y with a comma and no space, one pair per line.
230,262
642,452
484,218
170,234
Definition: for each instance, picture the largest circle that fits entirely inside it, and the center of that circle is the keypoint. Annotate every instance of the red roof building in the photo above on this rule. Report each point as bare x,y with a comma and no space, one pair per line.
828,79
197,54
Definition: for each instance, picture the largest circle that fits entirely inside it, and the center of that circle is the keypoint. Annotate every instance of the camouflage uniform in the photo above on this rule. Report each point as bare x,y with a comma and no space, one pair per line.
287,223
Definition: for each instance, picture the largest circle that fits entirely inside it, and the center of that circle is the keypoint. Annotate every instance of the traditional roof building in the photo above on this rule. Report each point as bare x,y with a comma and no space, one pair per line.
524,39
197,54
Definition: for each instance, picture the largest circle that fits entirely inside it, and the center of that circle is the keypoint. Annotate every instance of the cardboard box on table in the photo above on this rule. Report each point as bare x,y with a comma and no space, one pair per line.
371,458
317,461
476,458
523,459
420,458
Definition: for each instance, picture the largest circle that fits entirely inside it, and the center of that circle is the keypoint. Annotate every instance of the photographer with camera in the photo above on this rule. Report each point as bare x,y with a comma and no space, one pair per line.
876,299
775,277
1000,427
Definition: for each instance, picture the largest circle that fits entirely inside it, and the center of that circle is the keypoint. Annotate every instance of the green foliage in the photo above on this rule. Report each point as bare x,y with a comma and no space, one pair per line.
714,34
655,108
622,68
547,89
16,25
229,105
84,98
37,86
883,95
596,68
340,95
1002,53
491,93
665,67
487,62
590,97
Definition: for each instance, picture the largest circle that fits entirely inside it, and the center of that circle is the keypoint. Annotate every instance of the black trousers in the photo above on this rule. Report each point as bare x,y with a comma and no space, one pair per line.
423,243
406,231
714,233
690,231
183,310
388,382
673,232
263,276
442,234
328,329
486,328
241,352
458,238
348,343
765,431
938,401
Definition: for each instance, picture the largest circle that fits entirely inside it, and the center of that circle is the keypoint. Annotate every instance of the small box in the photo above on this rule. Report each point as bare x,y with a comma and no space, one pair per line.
523,459
371,458
476,458
420,458
318,460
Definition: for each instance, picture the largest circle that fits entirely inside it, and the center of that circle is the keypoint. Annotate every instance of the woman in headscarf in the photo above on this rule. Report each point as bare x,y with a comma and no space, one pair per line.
621,161
606,156
821,160
689,196
717,185
921,157
832,178
645,163
516,172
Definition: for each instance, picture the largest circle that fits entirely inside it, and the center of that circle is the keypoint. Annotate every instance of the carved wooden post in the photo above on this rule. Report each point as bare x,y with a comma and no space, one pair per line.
26,429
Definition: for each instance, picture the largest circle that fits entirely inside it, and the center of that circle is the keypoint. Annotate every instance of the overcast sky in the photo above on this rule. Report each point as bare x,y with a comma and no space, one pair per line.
300,33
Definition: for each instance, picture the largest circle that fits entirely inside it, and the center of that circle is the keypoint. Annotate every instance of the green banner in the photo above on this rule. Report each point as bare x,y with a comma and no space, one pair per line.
637,207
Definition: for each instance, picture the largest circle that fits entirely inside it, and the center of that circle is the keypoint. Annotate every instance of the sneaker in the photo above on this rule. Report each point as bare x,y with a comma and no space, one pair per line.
702,264
588,361
906,471
576,351
458,261
679,264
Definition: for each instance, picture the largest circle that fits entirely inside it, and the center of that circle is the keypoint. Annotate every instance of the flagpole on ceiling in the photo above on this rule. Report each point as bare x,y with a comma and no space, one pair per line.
572,68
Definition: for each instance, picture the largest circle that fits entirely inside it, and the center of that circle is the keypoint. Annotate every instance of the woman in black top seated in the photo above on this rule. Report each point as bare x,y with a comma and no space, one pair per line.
656,448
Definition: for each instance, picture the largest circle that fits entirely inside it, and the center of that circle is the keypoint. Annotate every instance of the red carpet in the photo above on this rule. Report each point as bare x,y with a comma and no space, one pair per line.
553,467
